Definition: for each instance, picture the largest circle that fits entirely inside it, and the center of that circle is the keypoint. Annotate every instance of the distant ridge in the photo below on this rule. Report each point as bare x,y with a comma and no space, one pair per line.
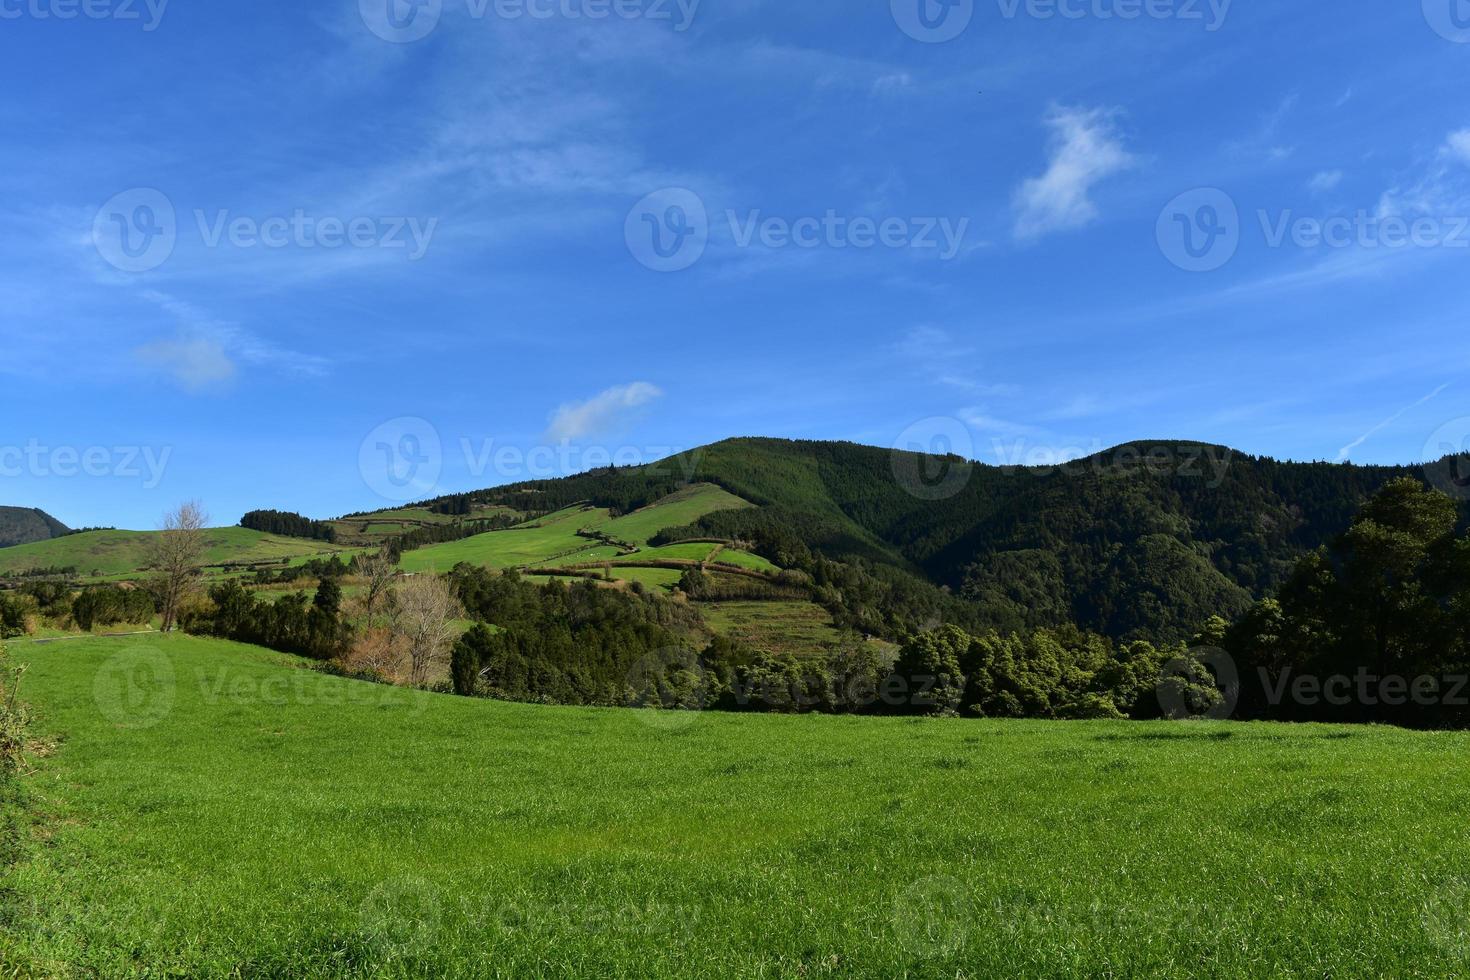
22,525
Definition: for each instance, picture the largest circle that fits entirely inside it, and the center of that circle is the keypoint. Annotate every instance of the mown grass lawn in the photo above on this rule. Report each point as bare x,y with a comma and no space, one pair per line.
213,809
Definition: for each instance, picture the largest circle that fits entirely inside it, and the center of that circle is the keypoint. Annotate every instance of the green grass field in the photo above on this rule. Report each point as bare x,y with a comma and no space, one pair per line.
729,556
677,509
674,552
120,553
654,578
553,540
211,809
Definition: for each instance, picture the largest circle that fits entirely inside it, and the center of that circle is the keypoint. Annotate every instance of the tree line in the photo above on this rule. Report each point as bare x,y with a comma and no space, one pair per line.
288,525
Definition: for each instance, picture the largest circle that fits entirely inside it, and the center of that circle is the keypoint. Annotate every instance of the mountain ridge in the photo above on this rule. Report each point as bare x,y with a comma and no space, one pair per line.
24,525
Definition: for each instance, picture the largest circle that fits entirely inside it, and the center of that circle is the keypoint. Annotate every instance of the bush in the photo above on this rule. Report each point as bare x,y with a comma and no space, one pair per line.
13,610
108,605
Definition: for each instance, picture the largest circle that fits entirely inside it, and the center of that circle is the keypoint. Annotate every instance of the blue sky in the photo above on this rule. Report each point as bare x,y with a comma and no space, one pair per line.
348,244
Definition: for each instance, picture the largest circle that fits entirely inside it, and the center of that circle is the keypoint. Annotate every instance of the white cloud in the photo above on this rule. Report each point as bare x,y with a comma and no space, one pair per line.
1325,181
604,412
1441,190
1458,145
1086,149
198,363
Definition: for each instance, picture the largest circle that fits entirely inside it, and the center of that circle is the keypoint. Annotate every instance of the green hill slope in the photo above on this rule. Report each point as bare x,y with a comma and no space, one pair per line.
577,534
107,554
1148,540
22,525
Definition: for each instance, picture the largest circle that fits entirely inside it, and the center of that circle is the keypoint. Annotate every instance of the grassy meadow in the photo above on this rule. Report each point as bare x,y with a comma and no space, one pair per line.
209,809
113,554
553,541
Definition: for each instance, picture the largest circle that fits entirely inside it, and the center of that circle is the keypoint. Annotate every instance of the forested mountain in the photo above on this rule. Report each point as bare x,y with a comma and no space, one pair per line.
22,525
1142,541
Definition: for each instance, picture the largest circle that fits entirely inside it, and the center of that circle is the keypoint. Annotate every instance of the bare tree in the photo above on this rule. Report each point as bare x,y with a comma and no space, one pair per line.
425,610
379,570
176,554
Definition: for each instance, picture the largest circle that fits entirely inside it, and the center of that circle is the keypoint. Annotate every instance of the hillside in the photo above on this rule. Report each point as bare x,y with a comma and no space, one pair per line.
110,554
1147,541
22,525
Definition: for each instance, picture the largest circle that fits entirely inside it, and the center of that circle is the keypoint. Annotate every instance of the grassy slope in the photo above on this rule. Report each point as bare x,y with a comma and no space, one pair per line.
779,627
275,822
113,553
677,509
554,539
551,536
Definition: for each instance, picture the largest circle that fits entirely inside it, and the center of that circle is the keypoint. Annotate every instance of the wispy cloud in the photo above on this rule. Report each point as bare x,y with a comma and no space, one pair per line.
198,364
1324,181
1086,149
601,414
1442,188
1347,450
1266,141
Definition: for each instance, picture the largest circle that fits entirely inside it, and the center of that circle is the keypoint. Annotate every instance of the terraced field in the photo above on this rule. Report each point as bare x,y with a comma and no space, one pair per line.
802,628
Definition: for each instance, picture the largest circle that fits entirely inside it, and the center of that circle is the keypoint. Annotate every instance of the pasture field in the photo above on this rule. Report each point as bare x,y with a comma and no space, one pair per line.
211,809
781,627
553,540
550,537
744,559
677,509
691,551
111,554
653,578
